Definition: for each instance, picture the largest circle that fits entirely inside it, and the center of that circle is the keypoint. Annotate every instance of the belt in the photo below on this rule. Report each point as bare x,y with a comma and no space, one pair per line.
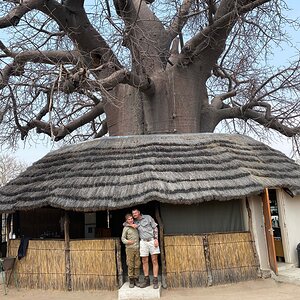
147,240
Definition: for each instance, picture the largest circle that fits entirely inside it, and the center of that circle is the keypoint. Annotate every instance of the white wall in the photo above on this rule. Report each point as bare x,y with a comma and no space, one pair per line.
258,230
289,220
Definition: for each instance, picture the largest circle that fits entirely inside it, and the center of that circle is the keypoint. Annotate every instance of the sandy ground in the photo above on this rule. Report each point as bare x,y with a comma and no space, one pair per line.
266,289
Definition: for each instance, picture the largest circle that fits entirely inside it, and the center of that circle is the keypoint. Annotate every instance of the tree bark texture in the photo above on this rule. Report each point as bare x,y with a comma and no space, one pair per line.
179,104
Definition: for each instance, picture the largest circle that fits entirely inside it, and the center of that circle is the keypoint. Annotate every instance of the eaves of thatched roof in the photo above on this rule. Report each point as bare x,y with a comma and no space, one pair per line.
118,172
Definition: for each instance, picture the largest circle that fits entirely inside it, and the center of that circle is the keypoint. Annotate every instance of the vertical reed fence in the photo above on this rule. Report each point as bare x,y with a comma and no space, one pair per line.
201,260
92,264
184,261
232,257
43,267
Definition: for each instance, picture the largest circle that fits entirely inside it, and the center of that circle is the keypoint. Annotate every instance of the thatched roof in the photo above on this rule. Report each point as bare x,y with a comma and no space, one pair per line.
118,172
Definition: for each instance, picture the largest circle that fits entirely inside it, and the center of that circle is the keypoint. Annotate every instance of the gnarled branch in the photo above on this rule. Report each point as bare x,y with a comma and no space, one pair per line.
60,132
145,36
15,14
265,119
180,19
212,38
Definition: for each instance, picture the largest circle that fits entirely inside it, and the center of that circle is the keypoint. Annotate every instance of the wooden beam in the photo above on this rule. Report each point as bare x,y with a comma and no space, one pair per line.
8,229
67,251
207,260
119,263
162,248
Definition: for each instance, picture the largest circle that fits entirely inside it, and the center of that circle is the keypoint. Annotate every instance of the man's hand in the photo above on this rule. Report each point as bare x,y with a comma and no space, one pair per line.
130,242
156,243
133,225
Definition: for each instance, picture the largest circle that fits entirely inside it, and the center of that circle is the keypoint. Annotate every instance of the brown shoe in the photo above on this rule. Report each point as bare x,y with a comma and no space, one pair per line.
146,282
131,282
136,282
155,282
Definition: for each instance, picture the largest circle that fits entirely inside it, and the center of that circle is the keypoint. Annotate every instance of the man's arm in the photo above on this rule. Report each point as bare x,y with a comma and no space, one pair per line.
124,234
155,232
125,224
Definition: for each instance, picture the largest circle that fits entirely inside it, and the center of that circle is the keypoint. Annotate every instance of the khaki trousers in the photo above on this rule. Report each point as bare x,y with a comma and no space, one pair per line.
133,262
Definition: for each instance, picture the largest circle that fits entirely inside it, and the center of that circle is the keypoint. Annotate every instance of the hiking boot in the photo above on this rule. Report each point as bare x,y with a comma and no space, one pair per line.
131,282
136,282
155,282
146,282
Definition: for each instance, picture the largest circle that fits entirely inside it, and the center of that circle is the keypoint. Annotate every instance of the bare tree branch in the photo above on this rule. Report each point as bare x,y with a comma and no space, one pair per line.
78,27
61,131
145,36
103,131
264,119
216,33
15,15
5,74
180,19
217,102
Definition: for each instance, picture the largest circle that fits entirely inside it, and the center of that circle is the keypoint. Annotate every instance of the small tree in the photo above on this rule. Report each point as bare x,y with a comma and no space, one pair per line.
10,168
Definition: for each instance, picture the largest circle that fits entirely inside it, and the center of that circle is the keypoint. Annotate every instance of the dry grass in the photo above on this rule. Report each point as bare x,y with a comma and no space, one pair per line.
93,264
184,259
232,257
211,259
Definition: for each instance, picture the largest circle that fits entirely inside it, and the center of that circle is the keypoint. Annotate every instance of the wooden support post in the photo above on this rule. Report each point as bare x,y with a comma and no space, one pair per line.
1,229
250,224
8,229
67,251
119,263
162,249
207,260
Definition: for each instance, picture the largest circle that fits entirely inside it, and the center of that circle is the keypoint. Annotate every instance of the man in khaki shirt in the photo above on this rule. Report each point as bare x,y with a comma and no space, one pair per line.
130,237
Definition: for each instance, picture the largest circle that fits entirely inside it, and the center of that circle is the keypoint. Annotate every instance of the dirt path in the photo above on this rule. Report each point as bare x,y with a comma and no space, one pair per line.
266,289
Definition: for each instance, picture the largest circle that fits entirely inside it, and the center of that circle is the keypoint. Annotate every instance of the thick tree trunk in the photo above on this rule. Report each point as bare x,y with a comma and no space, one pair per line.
124,111
178,105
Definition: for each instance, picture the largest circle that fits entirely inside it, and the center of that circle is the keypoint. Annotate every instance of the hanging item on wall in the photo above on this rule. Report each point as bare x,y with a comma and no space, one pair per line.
107,217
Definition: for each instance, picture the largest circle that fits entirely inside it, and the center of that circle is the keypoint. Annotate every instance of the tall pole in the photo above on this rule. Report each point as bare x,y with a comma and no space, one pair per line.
67,251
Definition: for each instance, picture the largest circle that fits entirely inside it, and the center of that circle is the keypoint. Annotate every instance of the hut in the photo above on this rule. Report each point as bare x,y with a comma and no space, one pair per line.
220,201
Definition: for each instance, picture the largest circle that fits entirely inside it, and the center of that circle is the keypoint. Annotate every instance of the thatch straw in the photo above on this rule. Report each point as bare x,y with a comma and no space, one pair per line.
184,261
93,264
232,257
118,172
43,267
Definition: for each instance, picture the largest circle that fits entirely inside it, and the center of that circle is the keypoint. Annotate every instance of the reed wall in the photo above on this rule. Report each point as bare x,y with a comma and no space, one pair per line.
191,261
232,257
201,260
185,261
93,264
43,267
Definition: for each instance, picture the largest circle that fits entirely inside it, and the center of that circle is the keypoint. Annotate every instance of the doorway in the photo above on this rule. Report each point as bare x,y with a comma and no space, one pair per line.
276,226
274,231
117,218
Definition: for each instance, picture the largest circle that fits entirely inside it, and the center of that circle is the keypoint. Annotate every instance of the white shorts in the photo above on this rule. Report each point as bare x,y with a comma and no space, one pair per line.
147,248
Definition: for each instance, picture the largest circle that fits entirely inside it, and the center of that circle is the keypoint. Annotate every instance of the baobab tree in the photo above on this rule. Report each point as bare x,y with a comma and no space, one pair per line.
81,69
